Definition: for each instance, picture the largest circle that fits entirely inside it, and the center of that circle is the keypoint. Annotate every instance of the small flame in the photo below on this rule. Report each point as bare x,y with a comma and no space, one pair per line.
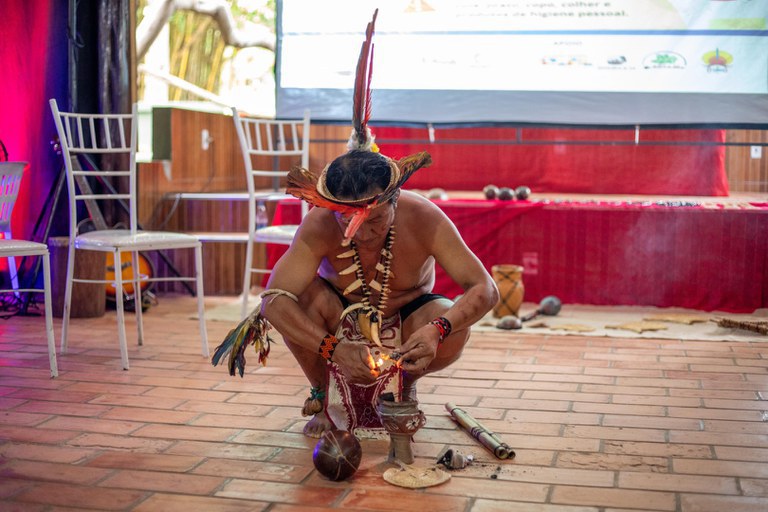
376,365
394,357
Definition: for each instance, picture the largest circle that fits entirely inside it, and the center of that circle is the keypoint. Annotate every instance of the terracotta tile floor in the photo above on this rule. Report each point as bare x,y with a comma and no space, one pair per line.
598,424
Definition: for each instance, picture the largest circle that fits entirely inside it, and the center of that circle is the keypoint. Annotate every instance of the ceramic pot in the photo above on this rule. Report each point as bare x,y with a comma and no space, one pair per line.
509,280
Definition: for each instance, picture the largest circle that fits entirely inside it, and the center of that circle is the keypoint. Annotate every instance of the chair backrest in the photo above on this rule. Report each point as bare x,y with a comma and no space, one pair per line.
285,140
10,182
85,137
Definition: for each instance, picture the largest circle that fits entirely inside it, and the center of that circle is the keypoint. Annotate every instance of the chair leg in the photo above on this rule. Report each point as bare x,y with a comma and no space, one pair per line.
67,295
201,300
247,277
13,272
137,298
120,312
49,315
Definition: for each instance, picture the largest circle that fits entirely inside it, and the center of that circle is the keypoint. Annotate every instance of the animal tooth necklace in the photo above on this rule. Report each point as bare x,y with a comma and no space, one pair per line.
369,317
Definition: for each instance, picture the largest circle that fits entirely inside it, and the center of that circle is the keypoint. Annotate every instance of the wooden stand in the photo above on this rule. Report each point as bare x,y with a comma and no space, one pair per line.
88,299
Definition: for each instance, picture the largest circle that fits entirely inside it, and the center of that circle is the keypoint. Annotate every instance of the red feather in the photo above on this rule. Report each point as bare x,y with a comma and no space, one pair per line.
361,108
357,220
368,88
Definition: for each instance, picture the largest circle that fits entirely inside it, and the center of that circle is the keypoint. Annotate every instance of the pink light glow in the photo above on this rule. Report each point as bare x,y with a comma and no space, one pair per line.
32,70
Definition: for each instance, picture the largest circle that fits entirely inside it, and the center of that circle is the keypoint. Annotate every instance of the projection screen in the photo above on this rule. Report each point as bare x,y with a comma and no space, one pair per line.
618,62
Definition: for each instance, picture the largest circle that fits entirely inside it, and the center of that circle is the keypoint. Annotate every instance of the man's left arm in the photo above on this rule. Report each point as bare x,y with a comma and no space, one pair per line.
466,270
480,295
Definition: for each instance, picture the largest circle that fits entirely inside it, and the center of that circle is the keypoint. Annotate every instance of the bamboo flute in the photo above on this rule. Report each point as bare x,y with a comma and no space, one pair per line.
487,438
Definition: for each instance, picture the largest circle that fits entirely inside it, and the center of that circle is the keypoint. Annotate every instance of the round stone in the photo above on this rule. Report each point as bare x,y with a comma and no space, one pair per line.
509,322
491,191
337,454
437,193
506,193
550,305
522,192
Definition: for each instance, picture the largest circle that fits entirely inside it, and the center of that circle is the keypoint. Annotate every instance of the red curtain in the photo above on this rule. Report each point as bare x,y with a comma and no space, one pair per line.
586,161
612,254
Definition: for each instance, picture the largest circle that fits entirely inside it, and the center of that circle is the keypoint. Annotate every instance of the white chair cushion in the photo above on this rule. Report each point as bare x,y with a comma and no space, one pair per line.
15,247
141,241
282,234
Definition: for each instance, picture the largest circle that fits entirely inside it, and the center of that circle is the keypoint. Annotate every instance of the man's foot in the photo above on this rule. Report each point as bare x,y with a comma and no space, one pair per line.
317,425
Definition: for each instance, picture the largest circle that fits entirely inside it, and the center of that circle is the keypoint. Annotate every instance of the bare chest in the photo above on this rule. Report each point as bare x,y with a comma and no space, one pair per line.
371,270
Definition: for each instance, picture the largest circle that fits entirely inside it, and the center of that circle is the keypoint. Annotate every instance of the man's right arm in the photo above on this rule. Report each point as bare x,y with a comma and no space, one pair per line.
293,273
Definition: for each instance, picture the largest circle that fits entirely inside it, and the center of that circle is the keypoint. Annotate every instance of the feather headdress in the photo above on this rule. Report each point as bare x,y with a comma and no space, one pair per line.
304,185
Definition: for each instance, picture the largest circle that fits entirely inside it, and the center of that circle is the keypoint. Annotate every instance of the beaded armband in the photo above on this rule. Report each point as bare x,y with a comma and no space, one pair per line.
443,327
327,346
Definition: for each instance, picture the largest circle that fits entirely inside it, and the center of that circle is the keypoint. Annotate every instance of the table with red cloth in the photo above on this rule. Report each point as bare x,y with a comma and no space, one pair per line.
664,254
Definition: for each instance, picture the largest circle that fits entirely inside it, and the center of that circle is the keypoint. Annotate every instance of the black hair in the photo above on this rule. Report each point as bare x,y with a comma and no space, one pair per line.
358,174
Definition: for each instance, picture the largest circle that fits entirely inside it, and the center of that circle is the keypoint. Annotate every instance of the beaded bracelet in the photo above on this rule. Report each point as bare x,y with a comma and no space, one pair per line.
443,327
327,346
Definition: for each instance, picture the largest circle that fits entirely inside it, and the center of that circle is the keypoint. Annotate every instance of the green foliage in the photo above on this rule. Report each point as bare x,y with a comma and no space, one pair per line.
198,51
265,16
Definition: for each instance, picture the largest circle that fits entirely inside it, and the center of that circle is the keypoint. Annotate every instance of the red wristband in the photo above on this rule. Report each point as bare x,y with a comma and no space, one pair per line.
327,346
443,327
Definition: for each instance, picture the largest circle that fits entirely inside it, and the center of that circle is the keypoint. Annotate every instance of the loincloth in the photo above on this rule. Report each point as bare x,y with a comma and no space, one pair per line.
405,311
352,407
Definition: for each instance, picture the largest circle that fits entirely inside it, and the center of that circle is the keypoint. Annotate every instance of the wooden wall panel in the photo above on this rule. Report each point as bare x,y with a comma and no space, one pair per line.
223,262
328,142
746,174
191,169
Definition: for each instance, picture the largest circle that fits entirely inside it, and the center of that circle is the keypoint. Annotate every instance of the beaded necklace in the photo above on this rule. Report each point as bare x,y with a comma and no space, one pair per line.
369,317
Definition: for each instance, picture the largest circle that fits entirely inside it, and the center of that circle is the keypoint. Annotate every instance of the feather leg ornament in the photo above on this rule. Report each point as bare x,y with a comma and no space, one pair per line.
254,330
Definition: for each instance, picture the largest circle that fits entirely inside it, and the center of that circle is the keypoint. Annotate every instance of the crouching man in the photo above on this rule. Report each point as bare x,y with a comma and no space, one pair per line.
356,286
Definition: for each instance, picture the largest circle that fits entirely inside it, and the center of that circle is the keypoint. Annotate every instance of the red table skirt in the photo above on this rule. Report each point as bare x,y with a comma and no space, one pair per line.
612,253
